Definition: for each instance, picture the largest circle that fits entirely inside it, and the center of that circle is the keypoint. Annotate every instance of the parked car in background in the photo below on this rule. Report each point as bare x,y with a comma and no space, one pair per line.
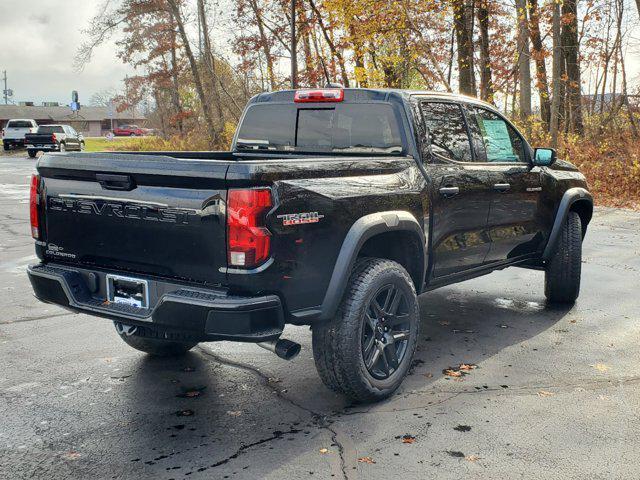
53,138
128,131
15,130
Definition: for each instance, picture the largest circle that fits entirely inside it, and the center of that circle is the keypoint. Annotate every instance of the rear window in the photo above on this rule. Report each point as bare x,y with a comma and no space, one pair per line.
349,128
50,129
19,124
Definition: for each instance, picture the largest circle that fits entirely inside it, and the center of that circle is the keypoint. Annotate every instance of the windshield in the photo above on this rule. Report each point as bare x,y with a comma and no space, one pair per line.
51,129
349,128
19,124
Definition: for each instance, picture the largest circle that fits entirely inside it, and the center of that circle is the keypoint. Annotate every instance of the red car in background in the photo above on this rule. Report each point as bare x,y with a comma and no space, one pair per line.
128,131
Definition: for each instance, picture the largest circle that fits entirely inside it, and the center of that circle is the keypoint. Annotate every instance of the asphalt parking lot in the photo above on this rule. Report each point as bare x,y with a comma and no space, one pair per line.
555,392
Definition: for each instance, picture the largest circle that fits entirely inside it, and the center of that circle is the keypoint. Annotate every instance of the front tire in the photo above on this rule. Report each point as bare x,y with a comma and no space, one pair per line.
153,346
32,153
366,351
562,273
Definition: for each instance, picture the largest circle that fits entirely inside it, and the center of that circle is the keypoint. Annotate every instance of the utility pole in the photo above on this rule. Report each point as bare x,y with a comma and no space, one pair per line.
294,57
5,91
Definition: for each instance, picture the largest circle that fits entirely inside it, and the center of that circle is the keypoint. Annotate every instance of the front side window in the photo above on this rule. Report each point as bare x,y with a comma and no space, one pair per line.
447,131
498,141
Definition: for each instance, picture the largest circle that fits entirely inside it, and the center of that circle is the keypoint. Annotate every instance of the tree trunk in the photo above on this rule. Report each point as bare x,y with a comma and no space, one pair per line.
463,25
175,92
266,48
209,62
541,68
486,84
558,59
570,47
524,60
197,80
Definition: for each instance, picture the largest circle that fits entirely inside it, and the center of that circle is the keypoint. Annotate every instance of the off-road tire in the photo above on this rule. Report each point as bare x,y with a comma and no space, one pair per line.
337,347
156,347
32,153
562,272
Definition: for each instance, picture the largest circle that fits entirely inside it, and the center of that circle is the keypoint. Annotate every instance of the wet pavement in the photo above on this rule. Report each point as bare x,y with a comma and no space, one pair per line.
555,392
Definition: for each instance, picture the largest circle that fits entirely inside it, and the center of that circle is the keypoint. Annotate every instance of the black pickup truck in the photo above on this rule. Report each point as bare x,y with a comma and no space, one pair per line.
335,208
53,138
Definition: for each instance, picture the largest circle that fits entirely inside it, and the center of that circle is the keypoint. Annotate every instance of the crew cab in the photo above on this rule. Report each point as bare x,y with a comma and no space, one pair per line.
53,138
128,131
15,130
335,208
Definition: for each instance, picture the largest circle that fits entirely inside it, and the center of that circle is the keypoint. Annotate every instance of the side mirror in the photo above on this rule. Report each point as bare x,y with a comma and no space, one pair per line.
543,157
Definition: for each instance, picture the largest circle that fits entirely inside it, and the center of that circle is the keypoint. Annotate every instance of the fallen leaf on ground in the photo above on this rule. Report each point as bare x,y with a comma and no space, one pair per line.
366,460
472,458
467,366
185,413
72,455
188,369
234,413
544,393
428,375
408,438
324,450
601,367
444,323
192,392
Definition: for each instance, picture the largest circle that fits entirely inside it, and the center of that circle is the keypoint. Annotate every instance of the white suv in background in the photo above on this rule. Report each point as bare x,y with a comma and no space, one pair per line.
15,130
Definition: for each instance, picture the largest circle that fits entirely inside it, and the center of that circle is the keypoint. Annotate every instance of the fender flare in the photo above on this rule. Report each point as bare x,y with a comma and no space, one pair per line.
570,197
362,230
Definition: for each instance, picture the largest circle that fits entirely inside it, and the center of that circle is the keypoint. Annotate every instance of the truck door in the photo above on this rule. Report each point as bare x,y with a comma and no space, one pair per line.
461,193
514,223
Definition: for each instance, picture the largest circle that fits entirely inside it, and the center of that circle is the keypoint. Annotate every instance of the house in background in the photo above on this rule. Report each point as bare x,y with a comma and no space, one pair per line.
91,121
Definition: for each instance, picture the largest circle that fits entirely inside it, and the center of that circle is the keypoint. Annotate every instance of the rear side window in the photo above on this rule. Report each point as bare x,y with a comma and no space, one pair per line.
447,131
19,124
50,129
349,128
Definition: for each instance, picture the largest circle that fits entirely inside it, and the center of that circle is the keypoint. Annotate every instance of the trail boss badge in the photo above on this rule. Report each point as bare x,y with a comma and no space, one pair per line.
300,218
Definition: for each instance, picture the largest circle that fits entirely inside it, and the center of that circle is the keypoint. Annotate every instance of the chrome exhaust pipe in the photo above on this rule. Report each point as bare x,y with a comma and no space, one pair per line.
285,349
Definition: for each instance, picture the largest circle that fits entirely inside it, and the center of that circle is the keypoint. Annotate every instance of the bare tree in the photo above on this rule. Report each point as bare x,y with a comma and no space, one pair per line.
541,68
197,80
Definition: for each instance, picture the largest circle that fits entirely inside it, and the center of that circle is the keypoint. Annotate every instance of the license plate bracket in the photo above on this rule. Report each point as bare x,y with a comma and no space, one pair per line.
128,290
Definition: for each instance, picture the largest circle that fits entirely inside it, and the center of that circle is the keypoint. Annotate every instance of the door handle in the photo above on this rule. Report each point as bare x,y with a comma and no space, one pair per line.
502,187
448,192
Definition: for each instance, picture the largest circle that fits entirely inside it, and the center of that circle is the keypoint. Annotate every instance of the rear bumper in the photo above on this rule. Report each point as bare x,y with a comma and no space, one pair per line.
175,310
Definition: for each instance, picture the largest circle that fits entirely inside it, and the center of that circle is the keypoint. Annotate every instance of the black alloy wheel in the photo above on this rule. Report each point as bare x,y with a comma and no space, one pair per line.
386,332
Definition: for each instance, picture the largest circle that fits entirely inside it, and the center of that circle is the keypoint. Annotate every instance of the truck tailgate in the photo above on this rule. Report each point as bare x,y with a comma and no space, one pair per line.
146,214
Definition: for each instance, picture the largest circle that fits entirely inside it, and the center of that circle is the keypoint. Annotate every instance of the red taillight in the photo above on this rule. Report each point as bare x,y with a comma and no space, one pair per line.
54,138
248,240
34,204
324,95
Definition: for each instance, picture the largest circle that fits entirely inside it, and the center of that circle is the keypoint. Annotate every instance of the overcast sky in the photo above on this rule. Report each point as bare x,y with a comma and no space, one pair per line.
39,39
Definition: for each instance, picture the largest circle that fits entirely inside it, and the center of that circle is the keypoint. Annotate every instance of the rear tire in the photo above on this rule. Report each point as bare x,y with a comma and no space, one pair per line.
154,346
366,351
562,273
32,153
62,148
6,147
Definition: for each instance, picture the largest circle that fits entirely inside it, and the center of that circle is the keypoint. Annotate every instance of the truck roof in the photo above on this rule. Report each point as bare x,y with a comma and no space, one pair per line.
363,94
